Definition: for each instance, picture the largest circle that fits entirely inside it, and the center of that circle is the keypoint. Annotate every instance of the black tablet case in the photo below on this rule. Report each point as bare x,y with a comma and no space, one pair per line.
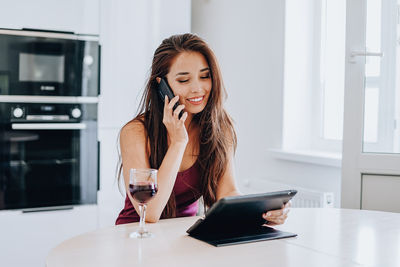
237,220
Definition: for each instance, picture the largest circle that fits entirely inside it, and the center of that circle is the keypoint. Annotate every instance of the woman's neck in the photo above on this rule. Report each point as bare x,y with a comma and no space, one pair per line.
188,121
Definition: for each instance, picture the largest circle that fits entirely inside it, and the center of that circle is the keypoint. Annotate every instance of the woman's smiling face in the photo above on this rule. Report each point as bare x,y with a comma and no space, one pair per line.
190,78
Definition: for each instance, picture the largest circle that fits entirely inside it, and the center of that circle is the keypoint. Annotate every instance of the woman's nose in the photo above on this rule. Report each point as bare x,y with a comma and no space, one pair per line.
196,87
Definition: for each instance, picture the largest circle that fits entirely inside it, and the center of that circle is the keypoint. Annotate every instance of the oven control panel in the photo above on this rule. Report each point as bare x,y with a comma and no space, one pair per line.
38,112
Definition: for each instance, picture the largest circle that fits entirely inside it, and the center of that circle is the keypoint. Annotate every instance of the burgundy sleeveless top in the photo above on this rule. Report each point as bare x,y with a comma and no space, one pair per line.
187,190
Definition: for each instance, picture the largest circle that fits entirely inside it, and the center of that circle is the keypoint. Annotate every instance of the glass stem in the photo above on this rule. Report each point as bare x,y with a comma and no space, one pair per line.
142,210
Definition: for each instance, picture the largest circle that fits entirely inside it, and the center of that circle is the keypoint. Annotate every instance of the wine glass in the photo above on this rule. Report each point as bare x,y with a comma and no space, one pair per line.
142,187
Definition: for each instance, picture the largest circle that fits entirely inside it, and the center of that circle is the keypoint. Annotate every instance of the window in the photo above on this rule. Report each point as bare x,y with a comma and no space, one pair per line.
314,75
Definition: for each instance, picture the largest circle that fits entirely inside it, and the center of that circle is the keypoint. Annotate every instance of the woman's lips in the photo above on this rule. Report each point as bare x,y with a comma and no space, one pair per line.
196,100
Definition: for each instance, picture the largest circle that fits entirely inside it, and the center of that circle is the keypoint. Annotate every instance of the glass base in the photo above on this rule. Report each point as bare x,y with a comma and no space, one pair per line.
140,234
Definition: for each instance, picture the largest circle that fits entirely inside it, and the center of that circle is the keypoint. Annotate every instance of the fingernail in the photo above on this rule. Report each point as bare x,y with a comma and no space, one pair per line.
268,214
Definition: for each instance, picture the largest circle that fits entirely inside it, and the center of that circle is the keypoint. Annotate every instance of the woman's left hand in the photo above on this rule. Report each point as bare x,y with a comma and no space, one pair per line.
276,217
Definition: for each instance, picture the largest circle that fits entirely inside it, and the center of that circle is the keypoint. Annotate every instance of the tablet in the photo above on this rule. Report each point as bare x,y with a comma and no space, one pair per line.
240,218
247,209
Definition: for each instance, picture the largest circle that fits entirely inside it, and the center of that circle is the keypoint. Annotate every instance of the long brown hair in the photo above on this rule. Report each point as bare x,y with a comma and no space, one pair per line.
217,134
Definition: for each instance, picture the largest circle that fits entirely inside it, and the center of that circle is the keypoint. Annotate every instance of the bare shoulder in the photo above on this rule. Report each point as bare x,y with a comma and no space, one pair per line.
133,128
133,134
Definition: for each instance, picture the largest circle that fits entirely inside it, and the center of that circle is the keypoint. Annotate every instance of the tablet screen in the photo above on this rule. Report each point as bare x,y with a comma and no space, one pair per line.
247,209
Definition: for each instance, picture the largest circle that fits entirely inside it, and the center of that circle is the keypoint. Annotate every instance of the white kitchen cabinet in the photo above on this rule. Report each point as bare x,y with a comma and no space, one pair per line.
110,199
27,238
130,31
79,16
380,192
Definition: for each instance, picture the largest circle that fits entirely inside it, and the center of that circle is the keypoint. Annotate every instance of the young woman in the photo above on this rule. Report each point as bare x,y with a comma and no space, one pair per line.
192,152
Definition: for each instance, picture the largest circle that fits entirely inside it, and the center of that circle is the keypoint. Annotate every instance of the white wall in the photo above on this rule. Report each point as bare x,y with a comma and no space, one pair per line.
248,39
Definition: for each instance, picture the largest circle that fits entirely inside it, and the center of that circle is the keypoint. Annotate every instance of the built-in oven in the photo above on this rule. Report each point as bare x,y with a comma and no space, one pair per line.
48,63
49,154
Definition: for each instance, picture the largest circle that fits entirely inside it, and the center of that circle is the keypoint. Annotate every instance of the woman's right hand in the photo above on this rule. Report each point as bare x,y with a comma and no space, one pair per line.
177,132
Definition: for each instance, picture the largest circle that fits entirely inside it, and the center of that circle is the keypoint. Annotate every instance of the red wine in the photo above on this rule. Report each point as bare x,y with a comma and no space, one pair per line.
143,192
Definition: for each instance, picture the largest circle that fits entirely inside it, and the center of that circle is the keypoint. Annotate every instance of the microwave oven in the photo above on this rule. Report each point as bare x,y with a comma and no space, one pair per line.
47,63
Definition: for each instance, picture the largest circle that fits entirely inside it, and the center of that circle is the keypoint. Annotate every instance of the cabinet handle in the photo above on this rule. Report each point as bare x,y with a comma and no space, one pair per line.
48,126
47,209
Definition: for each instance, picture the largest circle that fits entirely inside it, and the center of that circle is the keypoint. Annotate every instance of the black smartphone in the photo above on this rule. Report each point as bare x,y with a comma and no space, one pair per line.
164,90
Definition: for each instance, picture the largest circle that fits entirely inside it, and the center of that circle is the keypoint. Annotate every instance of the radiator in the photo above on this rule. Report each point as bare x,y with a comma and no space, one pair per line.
312,199
305,198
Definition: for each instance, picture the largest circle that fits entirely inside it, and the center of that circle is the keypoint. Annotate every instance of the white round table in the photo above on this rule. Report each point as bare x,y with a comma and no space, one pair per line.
326,237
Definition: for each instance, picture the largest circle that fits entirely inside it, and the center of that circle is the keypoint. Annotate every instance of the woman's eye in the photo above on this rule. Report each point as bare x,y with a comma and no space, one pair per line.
205,76
183,81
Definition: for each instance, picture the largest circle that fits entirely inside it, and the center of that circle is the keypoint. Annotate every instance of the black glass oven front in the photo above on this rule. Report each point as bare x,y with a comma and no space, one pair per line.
50,64
49,155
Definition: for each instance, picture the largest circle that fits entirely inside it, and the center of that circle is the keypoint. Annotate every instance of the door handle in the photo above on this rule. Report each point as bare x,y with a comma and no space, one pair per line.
356,53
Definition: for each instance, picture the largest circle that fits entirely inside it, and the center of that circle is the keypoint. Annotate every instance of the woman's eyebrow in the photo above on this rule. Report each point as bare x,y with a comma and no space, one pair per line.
186,73
182,73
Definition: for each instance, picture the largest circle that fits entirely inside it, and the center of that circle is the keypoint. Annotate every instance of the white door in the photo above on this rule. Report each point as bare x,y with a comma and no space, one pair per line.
371,135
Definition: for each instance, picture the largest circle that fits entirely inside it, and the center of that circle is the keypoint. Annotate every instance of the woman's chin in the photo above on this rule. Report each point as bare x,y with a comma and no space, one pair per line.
194,111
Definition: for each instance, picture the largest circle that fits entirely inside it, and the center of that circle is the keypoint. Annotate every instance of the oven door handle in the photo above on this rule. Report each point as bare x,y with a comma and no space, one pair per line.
48,126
